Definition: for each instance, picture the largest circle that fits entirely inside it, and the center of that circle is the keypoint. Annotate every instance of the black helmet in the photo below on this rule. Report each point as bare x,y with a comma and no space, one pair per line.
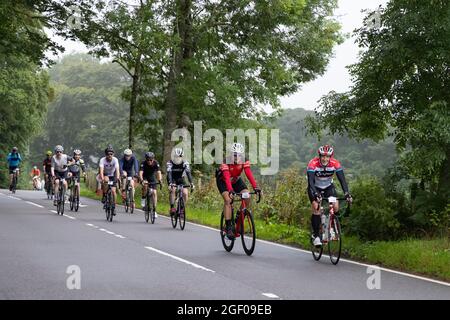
109,149
149,155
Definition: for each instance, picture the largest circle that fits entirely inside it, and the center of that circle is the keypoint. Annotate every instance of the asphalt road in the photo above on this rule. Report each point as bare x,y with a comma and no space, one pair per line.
130,259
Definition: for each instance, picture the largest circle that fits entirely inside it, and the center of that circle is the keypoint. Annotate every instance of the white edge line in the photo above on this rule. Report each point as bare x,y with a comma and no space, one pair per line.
180,259
344,260
54,211
120,236
34,204
15,198
70,217
90,224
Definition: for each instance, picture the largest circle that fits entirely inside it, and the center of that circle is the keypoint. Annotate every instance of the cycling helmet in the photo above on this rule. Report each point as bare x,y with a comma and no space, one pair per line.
325,150
34,167
149,155
49,153
59,148
109,149
76,152
127,152
237,148
178,152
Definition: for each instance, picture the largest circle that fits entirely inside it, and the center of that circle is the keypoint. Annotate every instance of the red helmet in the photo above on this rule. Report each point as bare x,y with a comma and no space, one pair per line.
325,150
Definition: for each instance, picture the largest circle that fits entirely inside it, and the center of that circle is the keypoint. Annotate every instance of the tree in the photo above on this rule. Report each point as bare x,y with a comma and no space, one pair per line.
216,60
401,88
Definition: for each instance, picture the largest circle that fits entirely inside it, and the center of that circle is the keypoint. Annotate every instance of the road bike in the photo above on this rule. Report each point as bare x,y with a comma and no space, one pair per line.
60,197
149,207
109,205
180,214
14,180
129,196
330,231
243,224
74,196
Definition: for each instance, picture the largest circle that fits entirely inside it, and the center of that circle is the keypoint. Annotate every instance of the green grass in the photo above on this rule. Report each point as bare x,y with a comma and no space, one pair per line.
429,258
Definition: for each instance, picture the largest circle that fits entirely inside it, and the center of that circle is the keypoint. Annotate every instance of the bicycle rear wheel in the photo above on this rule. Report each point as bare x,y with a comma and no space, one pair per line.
334,240
72,202
182,214
248,232
227,243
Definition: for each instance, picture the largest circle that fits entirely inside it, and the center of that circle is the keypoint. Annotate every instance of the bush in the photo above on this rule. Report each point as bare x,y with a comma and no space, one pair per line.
372,215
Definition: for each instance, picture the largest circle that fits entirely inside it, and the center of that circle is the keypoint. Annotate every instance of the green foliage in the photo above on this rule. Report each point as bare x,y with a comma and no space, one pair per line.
372,214
400,88
23,103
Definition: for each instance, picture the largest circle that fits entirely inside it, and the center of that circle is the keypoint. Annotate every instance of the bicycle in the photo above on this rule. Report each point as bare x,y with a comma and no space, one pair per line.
60,197
74,196
243,225
129,200
14,180
149,210
49,187
330,232
109,208
180,214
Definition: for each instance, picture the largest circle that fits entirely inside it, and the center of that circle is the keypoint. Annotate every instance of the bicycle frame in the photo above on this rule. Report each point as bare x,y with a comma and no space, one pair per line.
239,219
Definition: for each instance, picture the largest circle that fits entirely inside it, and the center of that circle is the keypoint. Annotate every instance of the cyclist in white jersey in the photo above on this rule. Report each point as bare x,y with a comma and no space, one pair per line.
109,171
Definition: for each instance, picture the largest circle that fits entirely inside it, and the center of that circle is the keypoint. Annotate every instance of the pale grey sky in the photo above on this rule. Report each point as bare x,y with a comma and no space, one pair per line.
335,78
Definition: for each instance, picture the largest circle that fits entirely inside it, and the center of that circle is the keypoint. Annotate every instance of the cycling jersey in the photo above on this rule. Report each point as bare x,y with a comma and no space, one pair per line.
129,165
47,164
60,165
322,177
76,166
35,172
230,173
14,159
175,172
149,170
109,167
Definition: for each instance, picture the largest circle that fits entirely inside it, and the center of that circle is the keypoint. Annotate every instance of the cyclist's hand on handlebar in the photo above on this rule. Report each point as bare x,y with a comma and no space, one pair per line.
192,187
318,197
349,198
258,191
160,185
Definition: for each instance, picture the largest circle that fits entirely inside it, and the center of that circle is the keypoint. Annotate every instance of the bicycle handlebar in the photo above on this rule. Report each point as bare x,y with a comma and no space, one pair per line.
233,194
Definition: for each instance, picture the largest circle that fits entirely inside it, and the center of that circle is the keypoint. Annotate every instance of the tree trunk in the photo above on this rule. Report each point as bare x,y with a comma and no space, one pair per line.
133,99
171,105
444,180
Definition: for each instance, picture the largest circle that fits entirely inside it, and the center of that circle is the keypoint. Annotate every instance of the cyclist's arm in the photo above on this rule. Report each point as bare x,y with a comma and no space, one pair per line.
121,166
158,175
169,173
226,176
101,170
342,181
117,171
141,172
52,168
249,174
187,169
311,181
136,166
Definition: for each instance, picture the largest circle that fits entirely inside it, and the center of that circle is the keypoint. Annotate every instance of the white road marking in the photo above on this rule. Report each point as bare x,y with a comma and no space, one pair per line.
70,217
54,211
12,197
119,236
34,204
90,224
271,295
180,259
83,206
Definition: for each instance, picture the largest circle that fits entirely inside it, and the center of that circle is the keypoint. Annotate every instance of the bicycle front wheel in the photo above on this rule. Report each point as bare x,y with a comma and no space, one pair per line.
182,214
334,240
248,232
227,243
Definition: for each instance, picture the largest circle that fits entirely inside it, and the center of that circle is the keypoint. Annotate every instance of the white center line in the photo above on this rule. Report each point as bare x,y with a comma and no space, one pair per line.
53,211
271,295
12,197
180,259
70,217
119,236
90,224
34,204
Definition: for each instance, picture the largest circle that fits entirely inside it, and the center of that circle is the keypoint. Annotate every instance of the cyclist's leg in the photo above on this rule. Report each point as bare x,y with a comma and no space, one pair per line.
240,187
144,192
113,189
226,199
331,192
172,192
315,216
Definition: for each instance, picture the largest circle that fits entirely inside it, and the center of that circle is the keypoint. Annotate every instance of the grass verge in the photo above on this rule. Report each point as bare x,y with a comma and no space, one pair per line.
430,258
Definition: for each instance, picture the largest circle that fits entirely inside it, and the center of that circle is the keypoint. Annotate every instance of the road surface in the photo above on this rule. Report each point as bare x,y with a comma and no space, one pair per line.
82,256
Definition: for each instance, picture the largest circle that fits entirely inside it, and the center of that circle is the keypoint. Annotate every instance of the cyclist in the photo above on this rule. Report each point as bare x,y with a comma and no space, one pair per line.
149,172
14,159
75,165
177,168
35,177
47,166
127,164
229,181
109,171
59,169
320,178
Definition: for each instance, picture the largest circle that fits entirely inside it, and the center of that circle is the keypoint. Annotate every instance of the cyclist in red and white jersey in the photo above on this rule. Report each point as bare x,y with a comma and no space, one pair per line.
228,179
320,178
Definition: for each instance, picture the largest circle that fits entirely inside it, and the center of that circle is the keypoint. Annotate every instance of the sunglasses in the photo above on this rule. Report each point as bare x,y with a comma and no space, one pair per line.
110,154
58,151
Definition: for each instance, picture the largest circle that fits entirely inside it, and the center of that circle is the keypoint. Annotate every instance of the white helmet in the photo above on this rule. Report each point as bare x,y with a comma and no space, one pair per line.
237,148
127,152
178,152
